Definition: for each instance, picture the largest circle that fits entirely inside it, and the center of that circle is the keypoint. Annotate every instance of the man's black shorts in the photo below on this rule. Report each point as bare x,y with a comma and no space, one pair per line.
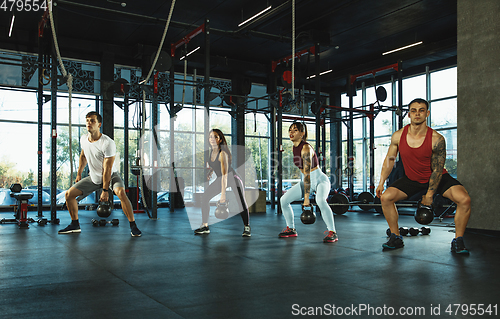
411,188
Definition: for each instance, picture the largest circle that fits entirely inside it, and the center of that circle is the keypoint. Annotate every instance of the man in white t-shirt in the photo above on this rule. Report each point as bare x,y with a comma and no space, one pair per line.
98,151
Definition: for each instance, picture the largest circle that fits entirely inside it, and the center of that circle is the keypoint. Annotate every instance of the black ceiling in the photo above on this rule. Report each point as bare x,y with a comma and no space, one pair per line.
352,34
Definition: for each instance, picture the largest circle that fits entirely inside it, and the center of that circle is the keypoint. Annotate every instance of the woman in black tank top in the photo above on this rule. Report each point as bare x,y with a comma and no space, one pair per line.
219,161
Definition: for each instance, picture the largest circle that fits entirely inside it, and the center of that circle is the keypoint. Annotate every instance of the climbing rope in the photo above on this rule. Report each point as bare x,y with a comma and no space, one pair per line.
161,44
69,82
143,130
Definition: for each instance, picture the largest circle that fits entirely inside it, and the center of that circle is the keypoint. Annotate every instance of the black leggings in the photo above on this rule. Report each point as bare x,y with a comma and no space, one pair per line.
233,181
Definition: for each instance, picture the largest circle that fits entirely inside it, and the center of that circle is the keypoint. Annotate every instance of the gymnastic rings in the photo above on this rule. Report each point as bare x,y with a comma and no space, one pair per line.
46,77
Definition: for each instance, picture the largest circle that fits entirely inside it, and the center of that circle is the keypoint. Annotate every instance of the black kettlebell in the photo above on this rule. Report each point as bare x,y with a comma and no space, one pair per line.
222,210
424,214
104,209
308,216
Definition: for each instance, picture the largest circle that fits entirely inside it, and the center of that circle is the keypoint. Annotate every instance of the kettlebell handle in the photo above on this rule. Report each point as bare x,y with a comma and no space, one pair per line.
304,207
420,205
219,204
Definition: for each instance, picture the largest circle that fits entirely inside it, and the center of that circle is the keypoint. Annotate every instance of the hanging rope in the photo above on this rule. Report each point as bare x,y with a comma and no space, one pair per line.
293,49
69,82
161,44
143,130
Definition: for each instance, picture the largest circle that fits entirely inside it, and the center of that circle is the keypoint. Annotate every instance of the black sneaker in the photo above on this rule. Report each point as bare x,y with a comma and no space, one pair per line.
288,232
70,229
394,242
135,232
458,246
331,237
202,230
246,232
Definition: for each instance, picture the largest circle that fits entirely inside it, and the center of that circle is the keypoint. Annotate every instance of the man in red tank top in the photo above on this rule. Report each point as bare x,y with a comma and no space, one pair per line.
423,153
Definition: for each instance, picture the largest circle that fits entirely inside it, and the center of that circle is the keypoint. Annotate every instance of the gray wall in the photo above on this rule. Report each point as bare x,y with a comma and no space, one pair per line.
479,109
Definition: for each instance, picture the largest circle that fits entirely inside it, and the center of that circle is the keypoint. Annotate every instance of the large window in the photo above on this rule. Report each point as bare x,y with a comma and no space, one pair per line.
442,87
19,129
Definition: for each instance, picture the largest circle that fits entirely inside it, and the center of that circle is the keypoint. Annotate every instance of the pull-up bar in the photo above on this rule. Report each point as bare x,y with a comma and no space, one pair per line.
373,72
298,118
186,39
369,113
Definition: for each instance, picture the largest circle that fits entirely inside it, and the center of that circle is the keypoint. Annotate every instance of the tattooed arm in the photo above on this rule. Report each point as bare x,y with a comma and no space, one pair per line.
437,164
307,156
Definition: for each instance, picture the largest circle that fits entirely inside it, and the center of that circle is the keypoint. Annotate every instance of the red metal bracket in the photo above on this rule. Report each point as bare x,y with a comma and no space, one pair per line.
274,64
392,66
155,83
186,39
41,24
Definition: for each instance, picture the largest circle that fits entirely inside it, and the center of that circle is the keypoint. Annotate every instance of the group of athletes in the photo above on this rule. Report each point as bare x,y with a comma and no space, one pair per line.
421,149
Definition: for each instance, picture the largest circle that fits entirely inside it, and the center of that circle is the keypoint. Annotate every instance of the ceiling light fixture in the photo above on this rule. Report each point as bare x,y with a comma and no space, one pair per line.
314,75
12,25
402,48
255,16
123,4
190,53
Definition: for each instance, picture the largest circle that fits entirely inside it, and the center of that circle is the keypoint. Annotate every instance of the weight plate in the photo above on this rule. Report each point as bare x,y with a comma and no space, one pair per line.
286,78
365,198
339,199
381,94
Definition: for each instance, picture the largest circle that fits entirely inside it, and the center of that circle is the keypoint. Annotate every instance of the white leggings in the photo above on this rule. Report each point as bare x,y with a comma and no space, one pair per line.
319,183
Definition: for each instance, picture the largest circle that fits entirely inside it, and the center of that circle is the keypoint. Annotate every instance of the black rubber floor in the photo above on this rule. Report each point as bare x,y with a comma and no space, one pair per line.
170,273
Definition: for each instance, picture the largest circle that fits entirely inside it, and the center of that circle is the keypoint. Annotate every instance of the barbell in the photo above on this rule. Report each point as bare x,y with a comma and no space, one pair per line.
339,203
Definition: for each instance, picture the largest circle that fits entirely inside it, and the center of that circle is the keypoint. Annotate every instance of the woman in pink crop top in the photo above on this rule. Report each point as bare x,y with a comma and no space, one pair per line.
313,179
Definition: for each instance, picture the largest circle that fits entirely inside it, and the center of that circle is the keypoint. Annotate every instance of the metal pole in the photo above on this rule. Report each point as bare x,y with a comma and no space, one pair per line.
53,144
319,152
40,128
400,93
172,144
154,151
125,141
279,119
206,101
350,143
272,148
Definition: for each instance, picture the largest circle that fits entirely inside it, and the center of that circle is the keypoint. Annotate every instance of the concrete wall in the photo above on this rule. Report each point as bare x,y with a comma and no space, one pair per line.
479,109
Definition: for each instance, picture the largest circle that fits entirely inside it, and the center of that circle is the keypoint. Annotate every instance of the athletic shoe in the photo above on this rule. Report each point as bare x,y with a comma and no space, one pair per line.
202,230
458,246
394,242
70,229
246,232
331,237
135,232
288,232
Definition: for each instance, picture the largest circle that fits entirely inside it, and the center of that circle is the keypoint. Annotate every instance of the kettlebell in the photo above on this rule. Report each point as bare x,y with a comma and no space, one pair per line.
103,210
222,210
308,216
424,214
